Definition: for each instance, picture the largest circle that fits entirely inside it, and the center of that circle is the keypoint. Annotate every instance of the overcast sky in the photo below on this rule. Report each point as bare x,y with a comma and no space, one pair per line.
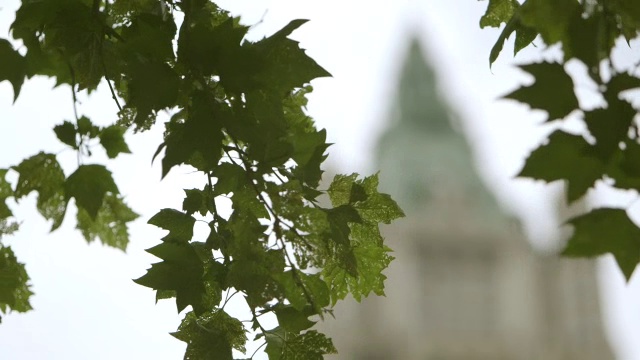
87,307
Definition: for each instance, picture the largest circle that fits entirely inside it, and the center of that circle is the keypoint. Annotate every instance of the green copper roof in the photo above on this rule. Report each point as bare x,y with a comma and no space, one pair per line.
423,158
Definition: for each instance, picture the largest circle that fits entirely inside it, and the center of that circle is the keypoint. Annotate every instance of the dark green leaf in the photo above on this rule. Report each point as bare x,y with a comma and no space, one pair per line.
86,127
5,192
112,139
606,230
153,86
524,37
550,18
197,201
287,66
552,90
179,224
565,157
66,132
89,185
13,67
610,126
181,271
293,320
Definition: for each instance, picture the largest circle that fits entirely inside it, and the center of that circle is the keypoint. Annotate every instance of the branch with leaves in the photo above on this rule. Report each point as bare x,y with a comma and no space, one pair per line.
608,152
239,119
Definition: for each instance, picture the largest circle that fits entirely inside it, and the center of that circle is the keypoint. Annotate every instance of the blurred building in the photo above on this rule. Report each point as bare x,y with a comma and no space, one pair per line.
466,284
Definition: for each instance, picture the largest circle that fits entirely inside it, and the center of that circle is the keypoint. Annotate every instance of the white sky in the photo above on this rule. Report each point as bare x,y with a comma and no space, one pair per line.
87,307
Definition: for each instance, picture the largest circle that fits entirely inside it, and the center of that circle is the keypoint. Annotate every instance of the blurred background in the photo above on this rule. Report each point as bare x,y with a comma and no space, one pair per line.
413,95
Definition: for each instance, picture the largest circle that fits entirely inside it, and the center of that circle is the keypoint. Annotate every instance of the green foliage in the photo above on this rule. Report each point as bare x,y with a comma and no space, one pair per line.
239,120
609,150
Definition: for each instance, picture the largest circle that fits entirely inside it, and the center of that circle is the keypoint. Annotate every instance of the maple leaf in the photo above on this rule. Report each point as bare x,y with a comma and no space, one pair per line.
66,132
112,139
552,90
89,185
13,67
606,230
179,224
498,12
565,157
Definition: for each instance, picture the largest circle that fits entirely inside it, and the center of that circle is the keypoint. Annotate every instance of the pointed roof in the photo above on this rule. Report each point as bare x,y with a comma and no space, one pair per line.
424,160
419,104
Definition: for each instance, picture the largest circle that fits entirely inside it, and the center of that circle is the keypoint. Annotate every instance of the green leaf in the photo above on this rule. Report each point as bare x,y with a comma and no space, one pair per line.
550,18
293,320
66,132
112,139
610,126
524,37
197,201
624,168
341,189
5,192
152,86
565,157
13,67
110,225
589,39
15,291
86,127
198,140
181,271
311,345
286,65
498,12
552,90
148,36
210,48
371,258
622,82
606,230
375,207
211,335
42,173
89,185
179,224
231,178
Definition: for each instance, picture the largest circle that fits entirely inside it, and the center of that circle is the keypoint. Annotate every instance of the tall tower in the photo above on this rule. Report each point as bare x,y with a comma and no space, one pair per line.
465,284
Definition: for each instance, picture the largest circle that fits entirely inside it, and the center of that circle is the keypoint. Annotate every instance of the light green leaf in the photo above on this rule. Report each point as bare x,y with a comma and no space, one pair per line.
311,345
498,12
42,173
15,291
110,225
211,335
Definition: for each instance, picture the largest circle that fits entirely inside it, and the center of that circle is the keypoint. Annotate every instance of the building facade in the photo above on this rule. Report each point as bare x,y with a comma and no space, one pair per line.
466,284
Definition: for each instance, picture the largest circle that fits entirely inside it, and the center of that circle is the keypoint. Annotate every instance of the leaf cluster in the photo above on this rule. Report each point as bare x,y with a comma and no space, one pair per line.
608,151
238,118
